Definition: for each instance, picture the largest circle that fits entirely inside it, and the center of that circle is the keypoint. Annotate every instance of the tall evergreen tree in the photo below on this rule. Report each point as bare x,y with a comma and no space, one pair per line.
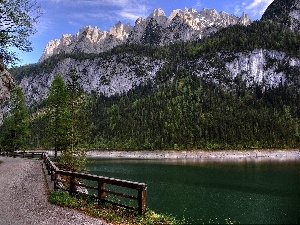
15,129
58,114
74,157
67,120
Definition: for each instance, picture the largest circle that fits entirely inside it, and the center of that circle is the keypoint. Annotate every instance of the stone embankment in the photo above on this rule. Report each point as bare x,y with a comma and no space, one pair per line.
198,155
202,155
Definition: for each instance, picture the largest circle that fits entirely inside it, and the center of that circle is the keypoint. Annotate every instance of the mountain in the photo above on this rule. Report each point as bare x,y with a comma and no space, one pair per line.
227,54
157,28
120,73
285,12
191,80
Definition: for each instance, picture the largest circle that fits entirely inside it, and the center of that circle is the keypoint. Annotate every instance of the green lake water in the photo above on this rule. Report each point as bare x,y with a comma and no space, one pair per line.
202,192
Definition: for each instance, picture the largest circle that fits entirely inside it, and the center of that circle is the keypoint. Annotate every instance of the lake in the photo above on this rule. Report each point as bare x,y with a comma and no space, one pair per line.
249,192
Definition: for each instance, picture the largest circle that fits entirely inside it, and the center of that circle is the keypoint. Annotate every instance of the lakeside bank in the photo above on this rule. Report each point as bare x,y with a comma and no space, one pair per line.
205,155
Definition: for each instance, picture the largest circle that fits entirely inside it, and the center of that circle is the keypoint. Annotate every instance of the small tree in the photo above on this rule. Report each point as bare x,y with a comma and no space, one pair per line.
15,129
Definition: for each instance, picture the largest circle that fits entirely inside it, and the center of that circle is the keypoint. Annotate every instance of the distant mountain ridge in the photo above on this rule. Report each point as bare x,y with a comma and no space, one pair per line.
157,28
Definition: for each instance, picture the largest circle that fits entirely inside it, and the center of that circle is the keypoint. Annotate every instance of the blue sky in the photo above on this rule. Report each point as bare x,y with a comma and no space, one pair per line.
68,16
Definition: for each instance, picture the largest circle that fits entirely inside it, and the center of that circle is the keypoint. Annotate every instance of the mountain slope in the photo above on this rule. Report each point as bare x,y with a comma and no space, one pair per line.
285,12
261,53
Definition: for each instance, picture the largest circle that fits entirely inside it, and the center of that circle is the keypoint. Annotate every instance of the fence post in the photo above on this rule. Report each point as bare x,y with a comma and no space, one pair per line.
52,174
142,199
49,168
55,181
72,185
101,192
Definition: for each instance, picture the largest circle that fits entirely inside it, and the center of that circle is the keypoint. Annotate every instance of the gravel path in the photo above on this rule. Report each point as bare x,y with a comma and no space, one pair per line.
23,197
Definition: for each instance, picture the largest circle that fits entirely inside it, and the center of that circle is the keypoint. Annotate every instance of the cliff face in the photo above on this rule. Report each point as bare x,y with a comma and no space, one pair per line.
120,73
157,28
6,83
114,75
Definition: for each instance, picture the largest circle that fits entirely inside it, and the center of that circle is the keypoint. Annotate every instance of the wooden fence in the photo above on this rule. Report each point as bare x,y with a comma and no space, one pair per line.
100,186
23,154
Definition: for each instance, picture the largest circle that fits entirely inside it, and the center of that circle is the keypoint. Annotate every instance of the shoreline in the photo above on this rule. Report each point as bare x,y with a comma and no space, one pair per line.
199,155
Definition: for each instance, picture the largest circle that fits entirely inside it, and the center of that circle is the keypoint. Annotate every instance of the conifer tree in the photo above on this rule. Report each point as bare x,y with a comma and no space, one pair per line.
15,129
58,114
73,158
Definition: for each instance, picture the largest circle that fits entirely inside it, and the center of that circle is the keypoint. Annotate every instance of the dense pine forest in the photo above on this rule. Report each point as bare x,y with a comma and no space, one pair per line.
181,110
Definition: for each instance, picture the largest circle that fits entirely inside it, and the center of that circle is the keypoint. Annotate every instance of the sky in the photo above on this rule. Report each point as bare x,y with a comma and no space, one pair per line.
69,16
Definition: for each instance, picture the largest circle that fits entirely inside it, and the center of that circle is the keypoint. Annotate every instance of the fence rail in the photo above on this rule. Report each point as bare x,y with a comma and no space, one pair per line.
22,154
101,186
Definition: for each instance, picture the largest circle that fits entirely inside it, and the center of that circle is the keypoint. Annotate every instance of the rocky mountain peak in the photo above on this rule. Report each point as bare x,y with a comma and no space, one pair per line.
88,32
139,21
181,25
120,31
158,13
159,16
244,19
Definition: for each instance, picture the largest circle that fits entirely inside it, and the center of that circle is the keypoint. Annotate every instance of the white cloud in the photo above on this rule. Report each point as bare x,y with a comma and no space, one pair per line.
237,10
128,15
133,12
198,4
128,10
259,3
257,7
67,16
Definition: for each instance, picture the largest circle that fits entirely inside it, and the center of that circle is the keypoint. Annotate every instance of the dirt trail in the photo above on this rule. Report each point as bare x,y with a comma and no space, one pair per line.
23,197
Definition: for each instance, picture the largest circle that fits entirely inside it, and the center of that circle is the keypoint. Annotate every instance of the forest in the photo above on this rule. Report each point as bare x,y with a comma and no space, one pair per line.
181,110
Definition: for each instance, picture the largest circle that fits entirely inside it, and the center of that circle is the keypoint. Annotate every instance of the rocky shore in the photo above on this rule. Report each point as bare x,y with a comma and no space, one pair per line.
200,155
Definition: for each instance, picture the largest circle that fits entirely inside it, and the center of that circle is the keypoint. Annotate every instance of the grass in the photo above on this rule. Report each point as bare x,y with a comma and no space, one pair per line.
116,215
1,162
109,213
